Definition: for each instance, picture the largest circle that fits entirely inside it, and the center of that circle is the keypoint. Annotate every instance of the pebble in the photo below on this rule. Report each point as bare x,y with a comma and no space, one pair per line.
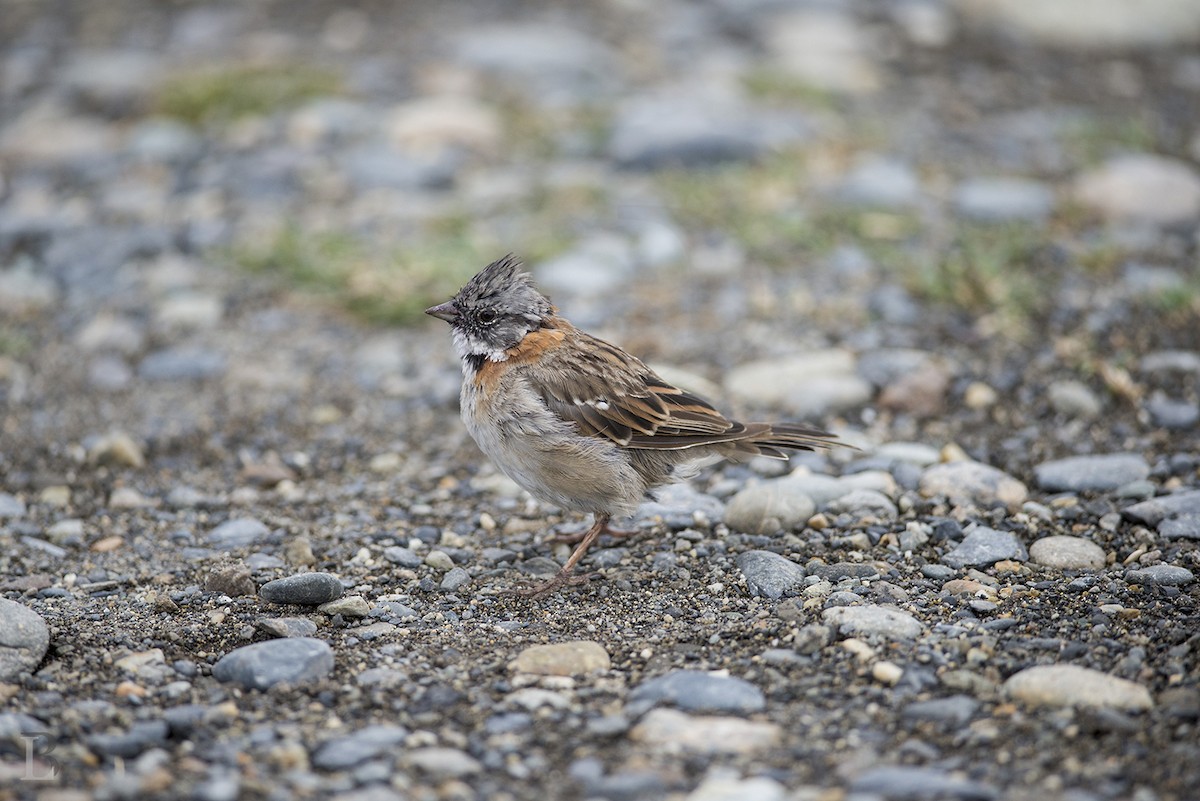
182,364
1184,527
287,626
439,560
1141,188
577,658
671,731
238,533
442,763
983,546
353,606
140,736
547,61
718,786
1098,473
880,182
455,579
824,48
769,507
117,448
308,589
1003,200
24,639
966,483
682,501
697,691
864,503
405,557
262,665
954,711
1175,415
1168,575
1072,685
369,742
1155,510
911,783
231,580
11,506
807,385
871,620
769,575
1074,399
1067,553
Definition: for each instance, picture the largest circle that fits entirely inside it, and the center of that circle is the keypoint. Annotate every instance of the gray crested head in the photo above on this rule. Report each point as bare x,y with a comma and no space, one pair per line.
494,310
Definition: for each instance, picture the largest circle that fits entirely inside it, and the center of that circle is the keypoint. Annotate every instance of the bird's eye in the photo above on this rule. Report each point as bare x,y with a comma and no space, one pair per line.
487,317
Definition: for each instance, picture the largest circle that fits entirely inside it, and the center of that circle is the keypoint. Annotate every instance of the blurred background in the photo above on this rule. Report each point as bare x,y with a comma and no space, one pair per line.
1009,184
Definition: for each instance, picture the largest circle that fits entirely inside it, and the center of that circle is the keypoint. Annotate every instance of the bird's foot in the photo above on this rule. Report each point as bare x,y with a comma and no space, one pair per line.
562,578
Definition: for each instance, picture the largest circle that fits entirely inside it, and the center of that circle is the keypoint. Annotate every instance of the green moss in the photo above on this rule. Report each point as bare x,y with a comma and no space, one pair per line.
219,95
775,86
1093,138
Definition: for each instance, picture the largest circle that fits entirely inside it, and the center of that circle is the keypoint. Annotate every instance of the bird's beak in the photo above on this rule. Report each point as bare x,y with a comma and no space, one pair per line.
443,311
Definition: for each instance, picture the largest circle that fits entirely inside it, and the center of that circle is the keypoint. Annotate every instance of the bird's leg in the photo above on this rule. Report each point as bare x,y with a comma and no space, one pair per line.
564,577
579,536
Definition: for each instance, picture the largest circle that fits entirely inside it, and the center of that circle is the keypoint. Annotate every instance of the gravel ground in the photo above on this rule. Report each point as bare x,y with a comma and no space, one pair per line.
248,550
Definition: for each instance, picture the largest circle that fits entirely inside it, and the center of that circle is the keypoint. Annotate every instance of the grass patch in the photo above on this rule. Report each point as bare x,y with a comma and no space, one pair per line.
780,88
1093,139
220,95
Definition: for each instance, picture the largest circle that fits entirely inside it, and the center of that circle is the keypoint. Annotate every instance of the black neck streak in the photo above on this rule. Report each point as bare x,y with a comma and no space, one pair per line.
476,361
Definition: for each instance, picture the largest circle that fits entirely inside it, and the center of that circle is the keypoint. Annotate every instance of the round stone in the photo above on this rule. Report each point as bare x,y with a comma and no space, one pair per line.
874,620
1097,473
770,575
308,589
769,507
1067,553
577,658
1072,685
263,665
697,691
24,639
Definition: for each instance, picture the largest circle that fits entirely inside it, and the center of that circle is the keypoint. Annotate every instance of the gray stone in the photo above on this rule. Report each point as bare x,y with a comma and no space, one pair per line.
455,579
287,626
238,533
405,557
825,48
1142,188
1067,553
444,763
1072,685
669,731
1183,361
696,691
263,665
184,363
864,502
1003,199
1169,575
955,711
551,62
1097,473
910,783
1155,510
880,182
871,620
769,507
964,483
576,658
679,501
24,639
1109,25
1074,399
1184,527
11,506
769,575
353,749
984,546
720,786
807,385
382,166
140,736
1175,415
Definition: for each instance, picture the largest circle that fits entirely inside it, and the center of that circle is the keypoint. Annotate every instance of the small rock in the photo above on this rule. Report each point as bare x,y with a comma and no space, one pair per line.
442,763
353,606
24,639
182,364
697,691
965,483
1074,399
1142,188
880,182
353,749
769,575
262,665
1175,415
439,560
231,580
888,673
1155,510
117,448
1067,553
955,711
308,589
769,507
671,731
870,620
807,384
910,783
129,498
405,557
11,506
1184,527
825,48
1168,575
1072,685
238,533
1003,199
863,503
985,546
1098,473
455,579
287,626
578,658
720,787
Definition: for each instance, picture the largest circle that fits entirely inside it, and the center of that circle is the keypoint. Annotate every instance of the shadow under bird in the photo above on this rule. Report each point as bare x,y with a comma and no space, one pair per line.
578,422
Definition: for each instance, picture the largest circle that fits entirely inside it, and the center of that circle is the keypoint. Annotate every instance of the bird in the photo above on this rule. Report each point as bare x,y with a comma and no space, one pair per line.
578,422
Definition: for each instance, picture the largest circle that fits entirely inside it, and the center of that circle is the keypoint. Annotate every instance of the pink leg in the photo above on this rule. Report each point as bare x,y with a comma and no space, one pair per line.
564,577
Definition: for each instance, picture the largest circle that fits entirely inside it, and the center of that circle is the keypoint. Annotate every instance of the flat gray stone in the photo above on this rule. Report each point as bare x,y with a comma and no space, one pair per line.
1184,527
1142,188
769,575
263,665
287,626
985,546
769,507
353,749
1003,199
24,639
871,620
1098,473
1072,685
11,506
972,483
1155,510
1067,553
697,691
238,533
1169,575
910,783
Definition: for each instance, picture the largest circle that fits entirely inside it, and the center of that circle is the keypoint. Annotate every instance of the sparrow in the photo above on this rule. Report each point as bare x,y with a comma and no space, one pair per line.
576,421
